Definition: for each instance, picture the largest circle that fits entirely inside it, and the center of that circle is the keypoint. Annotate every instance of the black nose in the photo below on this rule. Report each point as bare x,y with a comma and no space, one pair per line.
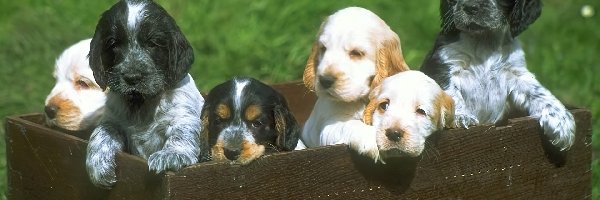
471,8
393,135
132,79
326,81
51,111
231,154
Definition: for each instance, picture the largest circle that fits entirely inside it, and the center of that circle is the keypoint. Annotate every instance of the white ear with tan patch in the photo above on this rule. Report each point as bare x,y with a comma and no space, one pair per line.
446,104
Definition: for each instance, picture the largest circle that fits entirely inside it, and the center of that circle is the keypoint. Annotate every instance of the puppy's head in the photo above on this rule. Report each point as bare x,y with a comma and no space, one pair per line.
405,109
354,51
138,51
76,102
485,16
242,118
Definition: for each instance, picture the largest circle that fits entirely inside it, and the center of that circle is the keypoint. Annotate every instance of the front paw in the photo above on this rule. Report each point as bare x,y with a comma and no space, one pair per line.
366,146
559,127
169,159
101,169
463,120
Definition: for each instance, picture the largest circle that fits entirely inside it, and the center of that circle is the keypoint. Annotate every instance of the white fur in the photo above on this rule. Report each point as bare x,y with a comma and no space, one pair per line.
497,81
337,115
86,104
135,12
406,92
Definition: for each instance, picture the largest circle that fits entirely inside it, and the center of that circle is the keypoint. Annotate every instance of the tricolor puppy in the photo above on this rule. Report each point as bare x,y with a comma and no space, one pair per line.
353,52
405,109
76,102
153,106
243,119
478,60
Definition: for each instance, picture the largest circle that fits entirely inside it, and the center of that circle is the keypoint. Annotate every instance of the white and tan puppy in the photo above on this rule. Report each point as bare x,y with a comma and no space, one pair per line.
76,102
405,109
353,52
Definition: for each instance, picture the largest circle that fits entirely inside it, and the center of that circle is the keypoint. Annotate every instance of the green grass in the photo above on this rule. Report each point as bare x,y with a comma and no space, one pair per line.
270,40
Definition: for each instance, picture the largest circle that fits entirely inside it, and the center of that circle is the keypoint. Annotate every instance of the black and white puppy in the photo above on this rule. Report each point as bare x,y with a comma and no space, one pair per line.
479,62
153,106
243,118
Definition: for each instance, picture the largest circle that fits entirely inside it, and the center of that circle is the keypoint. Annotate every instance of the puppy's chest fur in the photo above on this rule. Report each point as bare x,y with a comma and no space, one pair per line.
483,75
146,129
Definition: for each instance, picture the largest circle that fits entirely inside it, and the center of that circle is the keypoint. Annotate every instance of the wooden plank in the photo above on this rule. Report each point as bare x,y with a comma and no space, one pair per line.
45,164
485,162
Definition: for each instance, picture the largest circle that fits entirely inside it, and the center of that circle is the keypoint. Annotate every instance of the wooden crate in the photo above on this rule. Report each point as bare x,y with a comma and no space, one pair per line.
485,162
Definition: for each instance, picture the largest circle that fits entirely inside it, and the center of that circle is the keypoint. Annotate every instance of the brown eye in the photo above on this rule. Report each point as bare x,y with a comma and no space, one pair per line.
384,105
356,54
421,112
256,124
82,84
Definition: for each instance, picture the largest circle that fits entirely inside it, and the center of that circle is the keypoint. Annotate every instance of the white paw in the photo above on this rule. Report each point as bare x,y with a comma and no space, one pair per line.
366,145
169,159
101,169
559,127
463,120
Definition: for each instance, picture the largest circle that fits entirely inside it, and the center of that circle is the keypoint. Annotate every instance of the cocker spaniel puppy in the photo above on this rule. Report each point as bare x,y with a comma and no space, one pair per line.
243,118
139,55
353,52
479,62
405,109
76,102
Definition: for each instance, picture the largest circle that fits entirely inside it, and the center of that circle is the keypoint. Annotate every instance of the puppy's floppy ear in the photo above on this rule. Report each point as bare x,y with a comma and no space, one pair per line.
95,58
370,109
204,137
181,57
524,13
288,131
446,106
312,62
389,59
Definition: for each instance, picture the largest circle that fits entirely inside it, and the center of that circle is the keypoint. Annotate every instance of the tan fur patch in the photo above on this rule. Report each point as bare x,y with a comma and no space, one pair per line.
309,70
252,112
443,114
217,151
250,151
67,115
389,60
223,111
370,108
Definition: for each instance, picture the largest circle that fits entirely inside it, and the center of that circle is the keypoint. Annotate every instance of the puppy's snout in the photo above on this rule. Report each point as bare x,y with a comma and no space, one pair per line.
51,111
132,79
326,81
394,134
231,154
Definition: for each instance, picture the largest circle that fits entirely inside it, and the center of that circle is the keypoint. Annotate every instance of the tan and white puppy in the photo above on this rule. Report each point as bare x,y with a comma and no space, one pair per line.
353,52
76,102
405,109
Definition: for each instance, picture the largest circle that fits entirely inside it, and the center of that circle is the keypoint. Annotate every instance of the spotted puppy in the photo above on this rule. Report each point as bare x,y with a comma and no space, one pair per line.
243,119
139,55
405,109
76,102
478,61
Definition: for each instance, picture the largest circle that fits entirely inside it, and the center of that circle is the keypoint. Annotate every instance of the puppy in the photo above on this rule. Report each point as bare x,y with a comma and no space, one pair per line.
353,52
479,62
153,106
76,102
405,109
242,118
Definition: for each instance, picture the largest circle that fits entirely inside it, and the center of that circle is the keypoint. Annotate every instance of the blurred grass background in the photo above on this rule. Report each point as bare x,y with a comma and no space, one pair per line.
271,39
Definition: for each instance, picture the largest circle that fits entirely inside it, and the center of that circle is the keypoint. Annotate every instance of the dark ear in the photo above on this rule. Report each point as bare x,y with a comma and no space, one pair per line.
205,146
288,131
524,13
181,57
95,58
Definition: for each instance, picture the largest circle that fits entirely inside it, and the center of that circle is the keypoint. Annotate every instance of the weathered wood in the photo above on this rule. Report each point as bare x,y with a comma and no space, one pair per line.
484,162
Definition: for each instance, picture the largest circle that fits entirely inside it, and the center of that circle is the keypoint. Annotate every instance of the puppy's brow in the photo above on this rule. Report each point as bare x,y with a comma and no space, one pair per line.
134,13
252,112
223,111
